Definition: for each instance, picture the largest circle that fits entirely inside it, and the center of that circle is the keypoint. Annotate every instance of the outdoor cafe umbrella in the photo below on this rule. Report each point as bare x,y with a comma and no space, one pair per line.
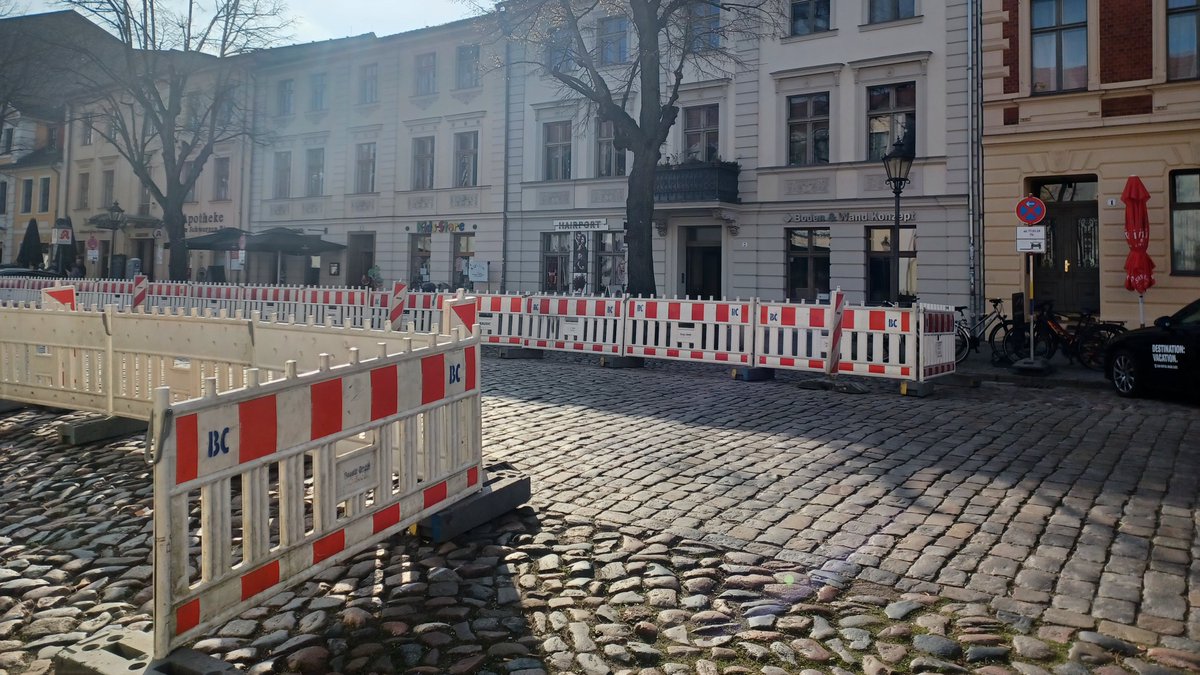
1139,268
224,239
285,241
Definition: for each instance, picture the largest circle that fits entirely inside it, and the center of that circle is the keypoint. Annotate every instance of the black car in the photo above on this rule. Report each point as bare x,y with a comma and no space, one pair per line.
1165,356
23,272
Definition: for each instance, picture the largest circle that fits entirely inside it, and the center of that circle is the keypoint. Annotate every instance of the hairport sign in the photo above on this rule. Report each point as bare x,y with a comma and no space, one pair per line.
850,217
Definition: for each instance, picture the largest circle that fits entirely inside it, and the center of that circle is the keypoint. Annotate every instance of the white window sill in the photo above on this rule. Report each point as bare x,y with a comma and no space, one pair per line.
789,39
891,24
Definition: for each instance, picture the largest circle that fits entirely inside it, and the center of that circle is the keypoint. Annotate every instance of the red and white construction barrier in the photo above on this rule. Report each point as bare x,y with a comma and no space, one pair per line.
937,340
386,443
502,318
690,330
878,343
576,324
793,336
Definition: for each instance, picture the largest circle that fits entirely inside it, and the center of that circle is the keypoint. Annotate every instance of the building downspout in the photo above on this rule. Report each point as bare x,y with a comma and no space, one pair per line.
504,208
975,156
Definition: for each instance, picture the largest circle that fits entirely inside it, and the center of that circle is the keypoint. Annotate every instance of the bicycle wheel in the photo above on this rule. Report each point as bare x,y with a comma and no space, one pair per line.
962,344
1045,342
1016,343
1093,343
996,340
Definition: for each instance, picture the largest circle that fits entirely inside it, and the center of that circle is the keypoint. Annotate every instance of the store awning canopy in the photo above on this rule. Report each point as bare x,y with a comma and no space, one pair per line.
289,242
224,239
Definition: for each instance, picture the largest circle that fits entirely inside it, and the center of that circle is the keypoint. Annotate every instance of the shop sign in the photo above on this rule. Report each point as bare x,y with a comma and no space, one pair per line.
581,225
850,217
203,223
439,226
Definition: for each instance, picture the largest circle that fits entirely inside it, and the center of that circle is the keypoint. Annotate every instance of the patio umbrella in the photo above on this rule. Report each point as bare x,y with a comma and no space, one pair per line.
1139,268
285,241
224,239
29,255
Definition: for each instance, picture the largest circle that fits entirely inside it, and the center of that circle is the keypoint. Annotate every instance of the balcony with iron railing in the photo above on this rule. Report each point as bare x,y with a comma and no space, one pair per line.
693,182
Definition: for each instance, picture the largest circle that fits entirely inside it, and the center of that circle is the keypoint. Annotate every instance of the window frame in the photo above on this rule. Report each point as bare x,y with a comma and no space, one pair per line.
609,245
425,74
281,177
462,153
562,151
809,121
108,187
221,179
811,255
309,175
563,261
190,197
317,86
466,71
810,20
704,27
461,279
145,200
873,5
560,50
368,84
26,195
891,112
606,38
6,141
365,167
1194,10
87,134
44,194
3,197
1174,206
83,195
612,166
285,91
1058,29
423,163
894,255
708,128
416,256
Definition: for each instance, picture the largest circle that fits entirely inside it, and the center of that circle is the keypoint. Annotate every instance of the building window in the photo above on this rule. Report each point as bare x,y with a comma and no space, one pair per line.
419,247
368,83
610,263
891,268
891,116
52,138
810,16
610,161
108,188
3,196
314,172
1185,222
808,263
144,200
423,163
559,49
27,195
466,159
1059,45
704,26
464,251
467,74
283,97
701,133
557,143
614,40
85,185
1183,28
556,262
44,195
316,92
808,129
86,132
426,74
221,179
283,175
364,168
190,197
8,140
891,10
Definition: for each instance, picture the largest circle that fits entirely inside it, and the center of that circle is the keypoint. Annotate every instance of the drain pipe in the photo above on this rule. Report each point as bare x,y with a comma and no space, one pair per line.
975,156
505,119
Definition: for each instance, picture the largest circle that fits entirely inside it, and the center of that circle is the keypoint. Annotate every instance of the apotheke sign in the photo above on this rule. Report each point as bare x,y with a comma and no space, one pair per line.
581,225
198,223
850,217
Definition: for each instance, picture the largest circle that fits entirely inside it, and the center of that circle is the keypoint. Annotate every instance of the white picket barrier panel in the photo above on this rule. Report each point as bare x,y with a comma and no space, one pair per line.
936,323
502,318
575,324
424,311
793,336
706,331
55,358
386,441
879,342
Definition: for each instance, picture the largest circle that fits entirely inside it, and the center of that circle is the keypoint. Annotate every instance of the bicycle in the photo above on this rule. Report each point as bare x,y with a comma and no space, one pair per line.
1084,341
967,336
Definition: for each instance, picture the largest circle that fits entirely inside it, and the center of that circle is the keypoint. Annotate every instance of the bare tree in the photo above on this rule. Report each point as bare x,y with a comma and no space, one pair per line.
638,92
177,88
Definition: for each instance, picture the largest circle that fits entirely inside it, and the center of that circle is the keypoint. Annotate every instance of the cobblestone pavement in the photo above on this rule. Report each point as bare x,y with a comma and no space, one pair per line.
685,523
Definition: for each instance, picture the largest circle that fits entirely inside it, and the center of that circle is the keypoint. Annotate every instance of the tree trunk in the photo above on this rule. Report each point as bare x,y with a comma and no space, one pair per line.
639,234
174,222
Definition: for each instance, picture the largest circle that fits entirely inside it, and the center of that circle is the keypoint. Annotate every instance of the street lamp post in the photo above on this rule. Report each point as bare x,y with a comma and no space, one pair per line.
897,163
116,215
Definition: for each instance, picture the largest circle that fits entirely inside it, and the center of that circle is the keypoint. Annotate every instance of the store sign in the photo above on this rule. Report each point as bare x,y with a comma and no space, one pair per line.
850,217
203,223
439,226
581,225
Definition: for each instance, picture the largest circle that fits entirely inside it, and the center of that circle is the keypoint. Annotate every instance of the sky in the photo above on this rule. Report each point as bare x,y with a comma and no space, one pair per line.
327,19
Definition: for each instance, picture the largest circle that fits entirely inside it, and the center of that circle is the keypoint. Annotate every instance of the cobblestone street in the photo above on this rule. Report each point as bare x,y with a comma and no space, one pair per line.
686,523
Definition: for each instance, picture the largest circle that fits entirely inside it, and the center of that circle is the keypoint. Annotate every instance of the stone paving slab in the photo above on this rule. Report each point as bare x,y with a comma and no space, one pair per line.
684,523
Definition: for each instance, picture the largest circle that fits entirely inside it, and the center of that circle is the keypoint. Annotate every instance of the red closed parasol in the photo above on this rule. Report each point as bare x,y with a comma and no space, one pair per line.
1139,268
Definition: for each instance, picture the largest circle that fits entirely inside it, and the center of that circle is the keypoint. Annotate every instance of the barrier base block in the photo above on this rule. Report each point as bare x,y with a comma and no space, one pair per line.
90,431
622,362
10,406
128,653
753,374
918,389
504,489
521,353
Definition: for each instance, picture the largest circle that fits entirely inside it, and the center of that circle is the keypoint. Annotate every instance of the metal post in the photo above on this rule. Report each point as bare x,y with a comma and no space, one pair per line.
1029,321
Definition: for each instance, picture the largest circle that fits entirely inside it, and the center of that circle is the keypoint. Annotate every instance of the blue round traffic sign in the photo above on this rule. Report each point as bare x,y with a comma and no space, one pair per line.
1031,210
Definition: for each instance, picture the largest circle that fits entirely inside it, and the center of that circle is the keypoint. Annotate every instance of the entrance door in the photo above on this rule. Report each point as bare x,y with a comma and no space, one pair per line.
360,257
1068,274
145,251
702,262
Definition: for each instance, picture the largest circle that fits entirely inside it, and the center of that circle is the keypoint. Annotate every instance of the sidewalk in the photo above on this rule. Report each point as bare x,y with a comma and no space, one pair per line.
978,368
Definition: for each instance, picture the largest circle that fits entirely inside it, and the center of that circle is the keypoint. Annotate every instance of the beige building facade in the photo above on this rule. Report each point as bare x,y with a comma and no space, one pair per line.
1076,101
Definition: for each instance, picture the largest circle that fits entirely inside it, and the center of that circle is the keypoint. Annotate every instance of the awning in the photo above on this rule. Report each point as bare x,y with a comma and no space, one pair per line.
289,242
224,239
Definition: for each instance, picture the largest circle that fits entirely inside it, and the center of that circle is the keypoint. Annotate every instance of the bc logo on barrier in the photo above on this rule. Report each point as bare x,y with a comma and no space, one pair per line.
217,442
455,370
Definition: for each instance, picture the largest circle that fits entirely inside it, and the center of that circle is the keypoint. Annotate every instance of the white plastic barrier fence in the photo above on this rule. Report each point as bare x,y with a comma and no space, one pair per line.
575,324
691,330
385,442
793,336
55,358
937,340
502,318
879,343
424,310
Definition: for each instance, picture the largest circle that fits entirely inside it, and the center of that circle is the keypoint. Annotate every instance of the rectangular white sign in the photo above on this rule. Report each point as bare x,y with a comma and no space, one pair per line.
1031,246
685,336
355,473
570,329
578,225
1031,233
